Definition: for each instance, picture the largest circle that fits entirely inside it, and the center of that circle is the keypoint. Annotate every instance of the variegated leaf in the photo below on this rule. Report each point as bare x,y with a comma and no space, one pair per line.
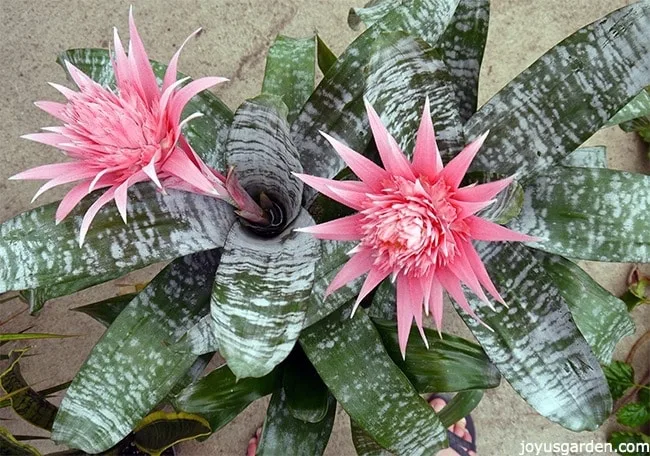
263,154
601,317
372,12
507,204
565,96
535,343
591,214
220,396
161,430
336,106
283,433
350,358
37,252
260,296
326,58
462,46
206,134
133,367
587,157
306,395
638,107
291,71
200,339
403,71
106,311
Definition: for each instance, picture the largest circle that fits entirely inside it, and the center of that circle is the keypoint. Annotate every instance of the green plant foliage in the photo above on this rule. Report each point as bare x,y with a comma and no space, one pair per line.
460,406
106,311
618,438
305,395
326,58
620,378
161,430
634,414
9,446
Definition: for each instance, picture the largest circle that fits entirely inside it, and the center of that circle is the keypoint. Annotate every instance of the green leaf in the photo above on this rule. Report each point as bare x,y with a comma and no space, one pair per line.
9,446
37,252
601,317
364,444
161,430
535,343
462,46
336,106
630,438
633,415
638,107
260,296
460,406
106,311
219,396
207,134
350,358
644,395
620,378
283,432
326,58
507,204
541,115
54,389
449,364
28,404
374,11
263,154
587,157
132,368
6,337
588,213
290,71
306,396
200,339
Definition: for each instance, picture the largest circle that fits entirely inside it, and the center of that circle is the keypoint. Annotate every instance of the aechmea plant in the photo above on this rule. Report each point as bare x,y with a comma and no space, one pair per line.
404,213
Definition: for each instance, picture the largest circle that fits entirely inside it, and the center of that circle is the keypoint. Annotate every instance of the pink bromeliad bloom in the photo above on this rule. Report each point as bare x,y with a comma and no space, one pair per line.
119,138
414,223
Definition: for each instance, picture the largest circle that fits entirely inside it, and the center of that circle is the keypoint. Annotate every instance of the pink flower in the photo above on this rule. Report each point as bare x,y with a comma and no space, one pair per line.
414,223
119,138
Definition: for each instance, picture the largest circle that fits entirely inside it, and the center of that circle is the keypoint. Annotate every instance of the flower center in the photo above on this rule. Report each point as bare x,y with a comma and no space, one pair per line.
412,226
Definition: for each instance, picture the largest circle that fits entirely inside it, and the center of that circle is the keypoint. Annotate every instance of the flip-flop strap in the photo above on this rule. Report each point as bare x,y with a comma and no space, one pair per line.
460,445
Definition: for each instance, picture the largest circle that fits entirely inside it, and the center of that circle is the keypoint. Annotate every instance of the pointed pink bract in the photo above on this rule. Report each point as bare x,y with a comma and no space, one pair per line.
122,137
414,223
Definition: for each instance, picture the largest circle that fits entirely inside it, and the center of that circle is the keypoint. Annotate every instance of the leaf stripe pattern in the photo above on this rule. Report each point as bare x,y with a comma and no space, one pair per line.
36,252
535,343
566,96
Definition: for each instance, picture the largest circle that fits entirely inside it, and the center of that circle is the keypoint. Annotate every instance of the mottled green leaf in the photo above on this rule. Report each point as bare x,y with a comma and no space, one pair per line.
535,343
200,339
350,358
305,394
364,444
161,430
37,252
206,134
565,96
132,368
290,71
336,106
9,446
29,405
326,58
282,432
106,311
620,378
449,364
263,154
601,317
630,438
638,107
508,202
587,157
219,396
462,46
460,406
588,213
633,415
372,12
260,296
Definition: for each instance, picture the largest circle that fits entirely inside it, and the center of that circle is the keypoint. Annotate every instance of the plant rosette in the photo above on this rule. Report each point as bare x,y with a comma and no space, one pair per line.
310,229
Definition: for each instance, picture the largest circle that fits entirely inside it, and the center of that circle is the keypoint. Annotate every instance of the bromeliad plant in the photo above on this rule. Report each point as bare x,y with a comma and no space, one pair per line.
253,283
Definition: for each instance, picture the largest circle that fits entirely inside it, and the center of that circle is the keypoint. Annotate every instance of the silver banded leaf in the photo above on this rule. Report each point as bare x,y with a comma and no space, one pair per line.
601,317
364,444
206,134
462,46
403,71
588,213
291,71
133,367
37,252
372,12
283,433
200,339
587,157
336,106
638,107
535,343
263,154
350,358
260,296
507,204
565,96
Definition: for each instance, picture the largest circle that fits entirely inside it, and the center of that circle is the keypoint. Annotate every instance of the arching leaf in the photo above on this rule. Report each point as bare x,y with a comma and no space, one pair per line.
161,430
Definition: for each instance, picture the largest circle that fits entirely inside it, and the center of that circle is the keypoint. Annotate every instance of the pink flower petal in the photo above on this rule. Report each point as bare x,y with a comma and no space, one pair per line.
426,156
374,278
121,66
436,303
79,77
49,139
345,192
68,93
468,208
455,170
140,63
61,180
417,299
172,68
394,160
482,192
451,284
364,169
179,164
121,192
343,229
185,94
356,266
478,267
52,108
51,171
484,230
404,313
92,212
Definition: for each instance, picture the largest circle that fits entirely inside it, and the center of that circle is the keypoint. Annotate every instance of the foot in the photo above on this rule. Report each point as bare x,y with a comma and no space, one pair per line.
459,428
253,442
